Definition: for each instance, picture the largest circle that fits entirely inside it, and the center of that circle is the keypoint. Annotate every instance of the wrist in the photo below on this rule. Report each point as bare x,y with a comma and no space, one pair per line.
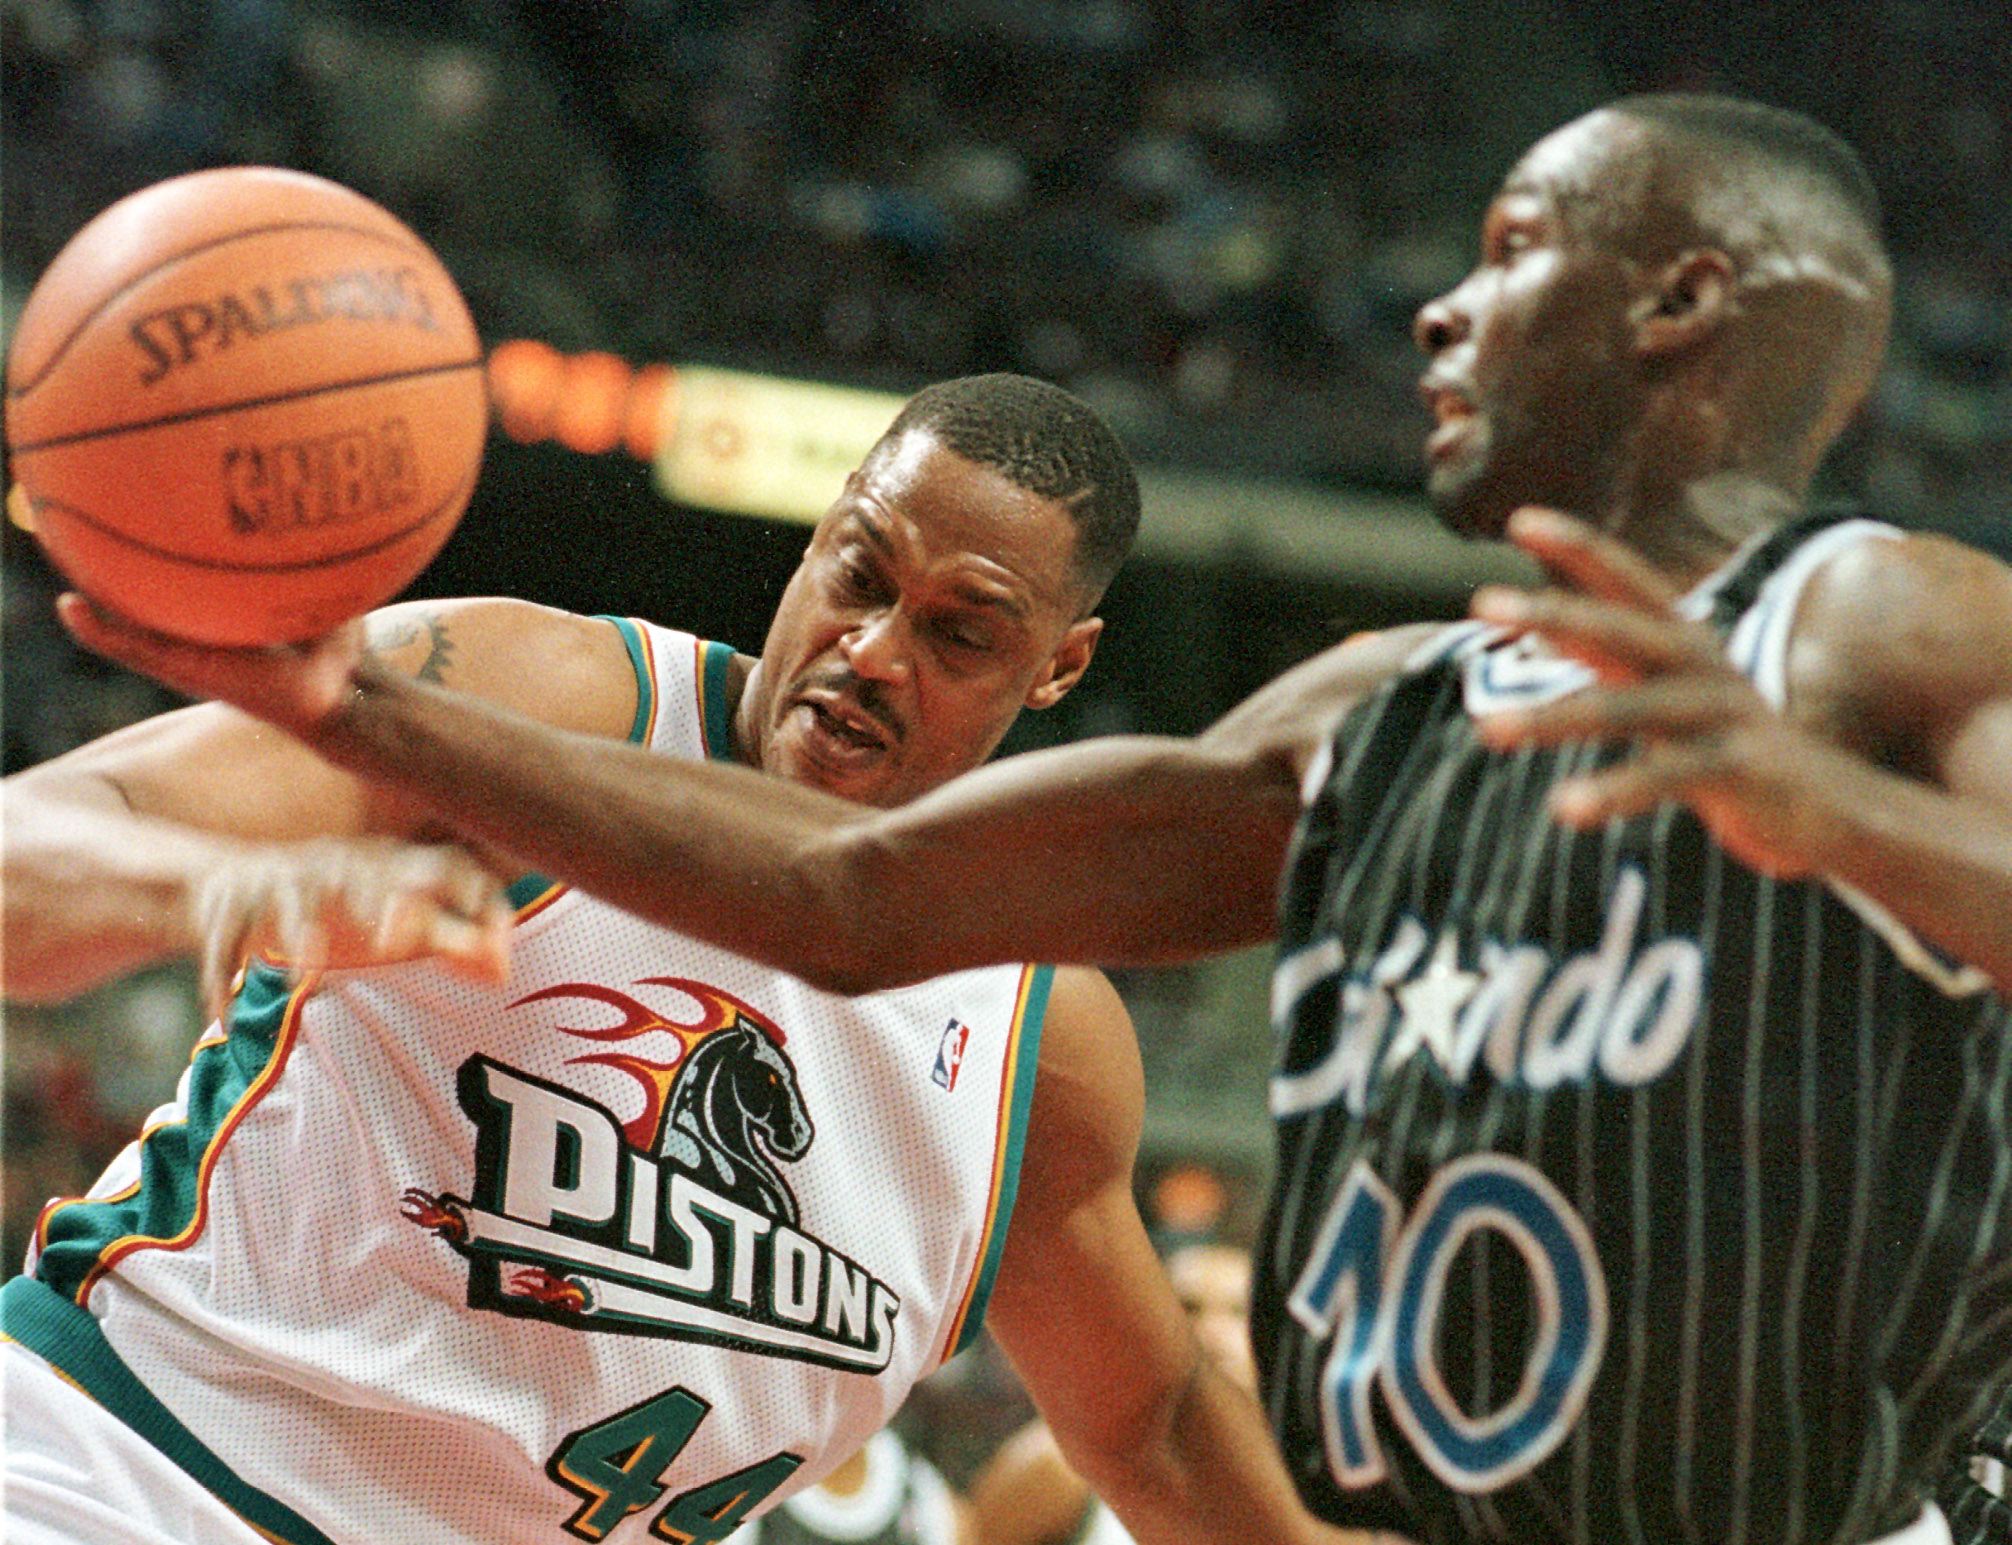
359,726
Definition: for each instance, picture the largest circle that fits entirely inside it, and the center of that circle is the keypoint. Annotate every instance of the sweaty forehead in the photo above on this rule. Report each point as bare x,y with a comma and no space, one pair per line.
931,505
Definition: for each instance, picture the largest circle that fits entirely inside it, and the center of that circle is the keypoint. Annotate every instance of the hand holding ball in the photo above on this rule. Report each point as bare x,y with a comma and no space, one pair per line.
245,405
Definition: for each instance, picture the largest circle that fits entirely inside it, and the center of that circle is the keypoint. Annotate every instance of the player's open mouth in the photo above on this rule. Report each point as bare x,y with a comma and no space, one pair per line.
848,726
1454,412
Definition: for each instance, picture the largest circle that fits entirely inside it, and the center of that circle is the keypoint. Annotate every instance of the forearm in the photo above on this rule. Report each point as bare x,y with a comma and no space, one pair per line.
1121,851
94,891
1207,1471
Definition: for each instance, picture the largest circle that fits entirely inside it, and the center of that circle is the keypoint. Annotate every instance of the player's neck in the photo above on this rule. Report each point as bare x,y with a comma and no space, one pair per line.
1689,528
742,728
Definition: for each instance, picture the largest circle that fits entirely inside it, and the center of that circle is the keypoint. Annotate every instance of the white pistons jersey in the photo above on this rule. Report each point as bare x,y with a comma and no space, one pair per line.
628,1248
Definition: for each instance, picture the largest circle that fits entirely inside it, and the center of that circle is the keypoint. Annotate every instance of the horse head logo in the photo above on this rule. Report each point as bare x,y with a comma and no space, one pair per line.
725,1109
735,1110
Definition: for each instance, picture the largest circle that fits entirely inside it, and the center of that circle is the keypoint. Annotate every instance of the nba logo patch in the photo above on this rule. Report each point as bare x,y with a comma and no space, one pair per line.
950,1055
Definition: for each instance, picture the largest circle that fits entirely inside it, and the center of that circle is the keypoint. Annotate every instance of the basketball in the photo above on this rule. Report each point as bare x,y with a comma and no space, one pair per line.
245,405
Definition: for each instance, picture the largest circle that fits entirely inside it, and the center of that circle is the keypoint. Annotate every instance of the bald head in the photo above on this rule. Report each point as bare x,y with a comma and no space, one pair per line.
1761,176
1790,206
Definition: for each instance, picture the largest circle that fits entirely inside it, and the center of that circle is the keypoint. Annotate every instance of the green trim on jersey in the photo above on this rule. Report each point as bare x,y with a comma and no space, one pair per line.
527,888
718,727
69,1339
165,1204
639,662
1022,1061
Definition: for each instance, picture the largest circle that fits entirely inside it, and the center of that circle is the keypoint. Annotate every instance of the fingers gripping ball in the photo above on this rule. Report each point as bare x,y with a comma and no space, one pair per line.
245,404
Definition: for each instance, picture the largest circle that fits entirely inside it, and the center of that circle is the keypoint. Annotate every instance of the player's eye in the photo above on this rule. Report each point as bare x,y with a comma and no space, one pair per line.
854,577
963,636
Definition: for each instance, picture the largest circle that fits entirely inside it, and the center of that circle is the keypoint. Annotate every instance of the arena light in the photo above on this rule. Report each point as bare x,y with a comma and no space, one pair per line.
756,445
723,440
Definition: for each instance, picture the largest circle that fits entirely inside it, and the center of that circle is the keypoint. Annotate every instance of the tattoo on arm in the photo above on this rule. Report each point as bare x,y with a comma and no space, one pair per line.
392,635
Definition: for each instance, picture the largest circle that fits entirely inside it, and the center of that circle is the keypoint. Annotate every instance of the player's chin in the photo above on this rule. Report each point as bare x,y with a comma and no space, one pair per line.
1467,504
866,777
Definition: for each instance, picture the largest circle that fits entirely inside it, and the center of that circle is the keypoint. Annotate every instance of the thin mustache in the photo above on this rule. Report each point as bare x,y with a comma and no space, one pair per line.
869,696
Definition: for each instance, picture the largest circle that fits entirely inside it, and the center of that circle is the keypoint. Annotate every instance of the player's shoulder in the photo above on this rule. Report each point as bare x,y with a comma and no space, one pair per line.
1087,1032
567,670
1910,619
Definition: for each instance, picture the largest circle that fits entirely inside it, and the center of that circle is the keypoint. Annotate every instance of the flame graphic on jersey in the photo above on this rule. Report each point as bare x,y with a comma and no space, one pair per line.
540,1286
719,1010
440,1214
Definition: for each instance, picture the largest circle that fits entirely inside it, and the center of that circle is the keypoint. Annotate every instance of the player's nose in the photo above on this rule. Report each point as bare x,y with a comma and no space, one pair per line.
1441,323
876,646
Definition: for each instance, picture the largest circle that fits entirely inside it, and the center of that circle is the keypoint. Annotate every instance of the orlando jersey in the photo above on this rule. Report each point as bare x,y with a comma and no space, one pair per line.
628,1248
1623,1194
1973,1491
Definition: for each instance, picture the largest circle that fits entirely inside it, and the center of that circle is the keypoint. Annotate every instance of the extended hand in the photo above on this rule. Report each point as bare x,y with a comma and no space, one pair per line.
294,686
356,902
1704,735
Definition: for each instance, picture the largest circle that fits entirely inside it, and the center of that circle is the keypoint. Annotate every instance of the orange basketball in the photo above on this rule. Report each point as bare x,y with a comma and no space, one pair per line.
245,404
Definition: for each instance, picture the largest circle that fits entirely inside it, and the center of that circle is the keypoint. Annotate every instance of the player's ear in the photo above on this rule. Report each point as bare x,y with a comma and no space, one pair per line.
1066,665
1688,301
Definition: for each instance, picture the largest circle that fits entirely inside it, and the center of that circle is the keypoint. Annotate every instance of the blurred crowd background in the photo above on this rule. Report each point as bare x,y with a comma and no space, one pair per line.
1212,219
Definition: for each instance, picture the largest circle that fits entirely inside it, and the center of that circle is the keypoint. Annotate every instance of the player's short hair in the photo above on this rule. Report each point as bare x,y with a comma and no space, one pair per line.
1047,441
1773,138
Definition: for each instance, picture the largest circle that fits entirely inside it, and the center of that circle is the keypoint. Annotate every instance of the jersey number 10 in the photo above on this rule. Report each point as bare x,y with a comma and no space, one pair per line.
1374,1282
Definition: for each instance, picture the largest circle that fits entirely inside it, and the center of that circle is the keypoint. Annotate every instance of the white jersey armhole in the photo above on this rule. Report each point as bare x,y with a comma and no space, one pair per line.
1760,640
1759,646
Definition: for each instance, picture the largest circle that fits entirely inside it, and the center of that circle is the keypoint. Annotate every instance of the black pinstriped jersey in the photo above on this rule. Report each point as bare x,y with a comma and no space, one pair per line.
1623,1194
1973,1492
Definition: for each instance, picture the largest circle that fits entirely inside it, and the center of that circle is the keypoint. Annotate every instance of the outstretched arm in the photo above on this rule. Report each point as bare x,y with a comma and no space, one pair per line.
1891,768
1085,1312
206,831
1128,850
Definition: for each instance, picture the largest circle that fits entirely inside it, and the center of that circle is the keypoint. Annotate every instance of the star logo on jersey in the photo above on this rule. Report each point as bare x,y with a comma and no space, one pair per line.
1622,1011
678,1221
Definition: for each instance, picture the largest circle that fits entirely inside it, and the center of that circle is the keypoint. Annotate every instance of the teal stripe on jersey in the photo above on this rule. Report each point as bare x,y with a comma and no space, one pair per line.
68,1337
632,640
718,728
1026,1059
527,888
164,1205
